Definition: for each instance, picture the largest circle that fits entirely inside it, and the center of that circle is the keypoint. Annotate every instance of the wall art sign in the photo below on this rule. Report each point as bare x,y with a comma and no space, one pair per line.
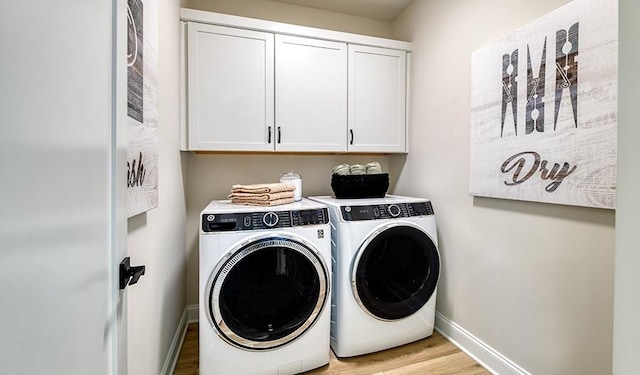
142,110
544,109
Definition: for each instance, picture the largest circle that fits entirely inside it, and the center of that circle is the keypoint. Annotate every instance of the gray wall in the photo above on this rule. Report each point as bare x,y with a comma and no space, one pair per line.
626,343
533,281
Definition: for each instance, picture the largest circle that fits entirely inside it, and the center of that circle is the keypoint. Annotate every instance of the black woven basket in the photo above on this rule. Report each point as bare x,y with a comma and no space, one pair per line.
360,186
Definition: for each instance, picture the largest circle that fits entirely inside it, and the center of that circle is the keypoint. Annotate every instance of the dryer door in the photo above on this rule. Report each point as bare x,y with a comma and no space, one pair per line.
267,292
395,271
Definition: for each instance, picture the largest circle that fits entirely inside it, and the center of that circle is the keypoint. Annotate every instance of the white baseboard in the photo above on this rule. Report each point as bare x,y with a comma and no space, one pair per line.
482,353
174,351
193,313
190,315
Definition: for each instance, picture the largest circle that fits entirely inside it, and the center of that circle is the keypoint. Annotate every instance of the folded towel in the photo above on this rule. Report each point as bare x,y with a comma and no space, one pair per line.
342,169
357,169
262,188
373,168
253,202
261,196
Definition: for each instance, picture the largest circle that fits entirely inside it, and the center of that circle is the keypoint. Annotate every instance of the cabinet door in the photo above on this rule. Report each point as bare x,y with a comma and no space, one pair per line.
377,99
230,89
311,94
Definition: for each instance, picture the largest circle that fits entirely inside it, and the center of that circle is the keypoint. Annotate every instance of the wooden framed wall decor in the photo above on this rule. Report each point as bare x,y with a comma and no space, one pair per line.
142,110
544,109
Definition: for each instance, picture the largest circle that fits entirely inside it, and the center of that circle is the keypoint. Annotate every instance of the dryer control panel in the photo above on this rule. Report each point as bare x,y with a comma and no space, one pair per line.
386,211
226,222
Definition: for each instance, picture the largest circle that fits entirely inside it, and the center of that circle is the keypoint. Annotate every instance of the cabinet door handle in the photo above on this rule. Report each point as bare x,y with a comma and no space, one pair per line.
351,133
269,136
279,134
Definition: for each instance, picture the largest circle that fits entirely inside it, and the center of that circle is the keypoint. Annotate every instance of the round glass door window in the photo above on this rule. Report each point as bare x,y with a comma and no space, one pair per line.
395,272
267,293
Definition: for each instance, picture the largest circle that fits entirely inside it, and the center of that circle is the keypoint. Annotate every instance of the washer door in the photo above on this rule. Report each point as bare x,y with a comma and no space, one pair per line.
395,271
268,292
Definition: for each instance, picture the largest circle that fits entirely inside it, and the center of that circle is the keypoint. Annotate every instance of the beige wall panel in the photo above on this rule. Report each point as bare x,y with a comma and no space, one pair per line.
533,281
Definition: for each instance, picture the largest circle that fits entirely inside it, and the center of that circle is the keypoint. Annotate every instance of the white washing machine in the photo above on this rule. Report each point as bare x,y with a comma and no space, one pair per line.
265,276
386,267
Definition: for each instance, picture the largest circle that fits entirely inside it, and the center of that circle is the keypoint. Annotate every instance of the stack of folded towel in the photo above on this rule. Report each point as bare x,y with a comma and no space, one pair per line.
357,169
262,194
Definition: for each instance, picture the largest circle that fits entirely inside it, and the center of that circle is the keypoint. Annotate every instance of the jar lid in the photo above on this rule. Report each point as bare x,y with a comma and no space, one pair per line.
291,175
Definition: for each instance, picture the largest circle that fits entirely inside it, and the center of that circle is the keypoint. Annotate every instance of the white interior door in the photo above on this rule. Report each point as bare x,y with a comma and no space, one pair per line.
62,217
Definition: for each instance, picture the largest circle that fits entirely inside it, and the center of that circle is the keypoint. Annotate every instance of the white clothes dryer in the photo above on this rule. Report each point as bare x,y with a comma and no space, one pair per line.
265,276
386,267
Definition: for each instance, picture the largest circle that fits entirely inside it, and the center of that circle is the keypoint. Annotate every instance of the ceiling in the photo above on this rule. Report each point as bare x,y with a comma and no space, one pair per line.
384,10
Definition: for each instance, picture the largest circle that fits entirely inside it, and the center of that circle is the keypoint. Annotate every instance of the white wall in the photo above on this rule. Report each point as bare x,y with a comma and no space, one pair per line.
626,337
157,238
533,281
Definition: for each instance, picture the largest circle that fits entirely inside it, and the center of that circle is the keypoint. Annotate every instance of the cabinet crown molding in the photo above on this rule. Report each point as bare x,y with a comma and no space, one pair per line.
193,15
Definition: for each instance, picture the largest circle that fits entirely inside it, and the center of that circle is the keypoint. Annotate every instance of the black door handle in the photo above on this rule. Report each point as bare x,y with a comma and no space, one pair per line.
269,136
351,133
279,134
129,275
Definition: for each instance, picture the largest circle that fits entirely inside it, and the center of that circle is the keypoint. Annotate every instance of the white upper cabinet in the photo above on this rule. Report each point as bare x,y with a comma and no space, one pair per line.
377,99
230,89
254,86
311,94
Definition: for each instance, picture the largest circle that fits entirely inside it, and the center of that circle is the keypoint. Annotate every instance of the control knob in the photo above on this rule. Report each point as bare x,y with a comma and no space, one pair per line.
270,219
394,210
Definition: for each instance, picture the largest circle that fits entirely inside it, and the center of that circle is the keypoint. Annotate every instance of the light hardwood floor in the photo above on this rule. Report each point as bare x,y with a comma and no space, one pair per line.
434,355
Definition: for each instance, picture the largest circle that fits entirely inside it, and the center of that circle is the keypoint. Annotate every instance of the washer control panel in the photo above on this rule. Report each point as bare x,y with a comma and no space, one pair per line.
386,211
263,220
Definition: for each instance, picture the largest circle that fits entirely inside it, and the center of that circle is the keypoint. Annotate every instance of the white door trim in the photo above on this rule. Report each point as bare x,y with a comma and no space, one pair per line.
118,198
